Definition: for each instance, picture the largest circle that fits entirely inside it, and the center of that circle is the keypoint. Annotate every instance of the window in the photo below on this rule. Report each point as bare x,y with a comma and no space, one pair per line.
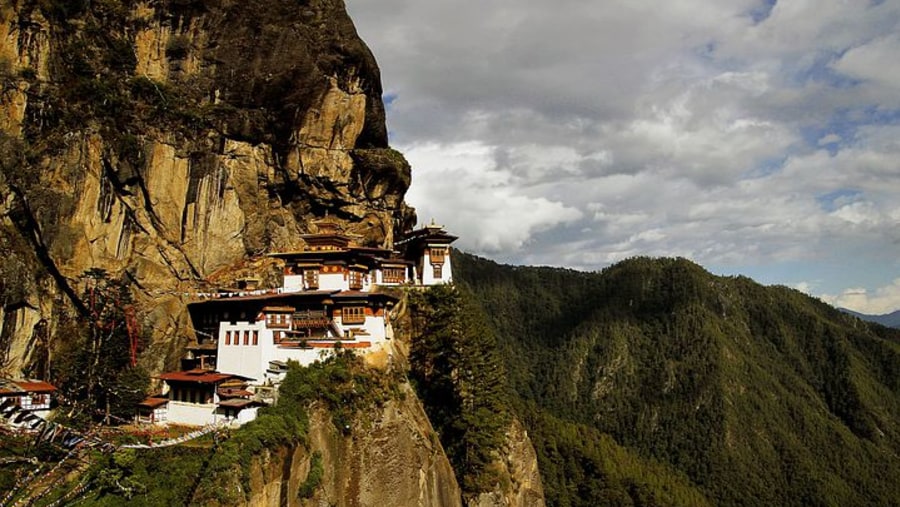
356,280
246,337
227,337
311,278
353,315
255,337
437,255
438,271
394,275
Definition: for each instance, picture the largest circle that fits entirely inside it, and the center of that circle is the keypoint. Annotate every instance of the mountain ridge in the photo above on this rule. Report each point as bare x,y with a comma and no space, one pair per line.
891,319
760,395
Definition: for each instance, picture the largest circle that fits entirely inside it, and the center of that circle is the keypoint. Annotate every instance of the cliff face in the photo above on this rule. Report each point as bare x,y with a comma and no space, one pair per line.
520,480
164,141
391,457
169,142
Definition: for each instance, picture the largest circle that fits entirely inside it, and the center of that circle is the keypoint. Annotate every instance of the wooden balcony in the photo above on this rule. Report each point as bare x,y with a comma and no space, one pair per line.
310,319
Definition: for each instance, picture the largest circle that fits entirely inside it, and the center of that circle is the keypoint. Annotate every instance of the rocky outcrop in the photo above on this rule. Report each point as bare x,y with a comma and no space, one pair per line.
520,480
172,143
389,457
167,141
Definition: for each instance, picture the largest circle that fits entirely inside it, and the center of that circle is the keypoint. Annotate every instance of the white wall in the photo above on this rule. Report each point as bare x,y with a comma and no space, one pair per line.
373,325
193,414
246,415
247,360
333,281
305,357
428,270
293,283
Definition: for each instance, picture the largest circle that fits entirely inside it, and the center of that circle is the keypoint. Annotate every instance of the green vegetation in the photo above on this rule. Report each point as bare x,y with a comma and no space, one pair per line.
459,377
164,476
341,384
706,386
313,478
217,469
95,374
587,467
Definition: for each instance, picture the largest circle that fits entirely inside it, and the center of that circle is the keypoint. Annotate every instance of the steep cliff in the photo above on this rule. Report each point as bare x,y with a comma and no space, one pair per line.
520,482
165,141
391,457
172,143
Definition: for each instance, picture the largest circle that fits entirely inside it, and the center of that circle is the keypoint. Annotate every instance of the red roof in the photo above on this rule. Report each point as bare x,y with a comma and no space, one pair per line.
200,376
36,386
25,386
236,403
153,402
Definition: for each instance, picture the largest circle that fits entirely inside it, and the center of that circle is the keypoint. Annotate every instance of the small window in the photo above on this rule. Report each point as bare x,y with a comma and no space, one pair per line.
311,278
394,275
438,271
246,337
353,315
356,280
255,337
227,337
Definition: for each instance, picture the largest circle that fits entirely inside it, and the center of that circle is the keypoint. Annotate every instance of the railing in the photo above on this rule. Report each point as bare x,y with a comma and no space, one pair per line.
310,319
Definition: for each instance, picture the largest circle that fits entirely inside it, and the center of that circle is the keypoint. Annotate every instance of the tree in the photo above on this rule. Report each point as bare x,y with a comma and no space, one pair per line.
460,377
96,373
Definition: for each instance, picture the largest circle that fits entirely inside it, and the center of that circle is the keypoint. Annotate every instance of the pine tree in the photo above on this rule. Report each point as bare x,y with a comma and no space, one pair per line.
461,380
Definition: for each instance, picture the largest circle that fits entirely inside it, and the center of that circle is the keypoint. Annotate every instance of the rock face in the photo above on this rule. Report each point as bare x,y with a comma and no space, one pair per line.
520,484
391,457
170,142
165,141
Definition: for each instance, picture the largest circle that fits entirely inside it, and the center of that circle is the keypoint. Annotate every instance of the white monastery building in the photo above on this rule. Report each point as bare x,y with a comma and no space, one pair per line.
330,298
25,403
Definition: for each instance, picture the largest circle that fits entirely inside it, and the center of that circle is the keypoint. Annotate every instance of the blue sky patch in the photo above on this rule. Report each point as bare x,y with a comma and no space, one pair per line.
388,99
834,200
762,11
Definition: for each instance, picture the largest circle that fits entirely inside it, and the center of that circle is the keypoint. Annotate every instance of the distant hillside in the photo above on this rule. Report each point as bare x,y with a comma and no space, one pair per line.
887,319
653,382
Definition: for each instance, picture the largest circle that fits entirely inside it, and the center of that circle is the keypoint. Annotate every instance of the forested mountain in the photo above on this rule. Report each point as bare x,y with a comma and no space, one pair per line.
655,382
888,319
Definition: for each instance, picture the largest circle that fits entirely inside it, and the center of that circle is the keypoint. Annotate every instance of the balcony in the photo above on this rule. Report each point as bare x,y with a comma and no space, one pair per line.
310,319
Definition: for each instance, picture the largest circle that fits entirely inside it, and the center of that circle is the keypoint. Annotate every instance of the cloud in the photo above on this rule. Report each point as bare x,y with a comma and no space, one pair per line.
736,133
471,194
882,300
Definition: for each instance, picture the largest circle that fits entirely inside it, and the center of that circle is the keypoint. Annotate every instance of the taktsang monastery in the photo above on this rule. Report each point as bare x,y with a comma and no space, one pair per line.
330,298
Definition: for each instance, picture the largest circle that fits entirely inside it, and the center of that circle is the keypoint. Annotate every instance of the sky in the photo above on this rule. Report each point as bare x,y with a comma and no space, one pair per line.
754,137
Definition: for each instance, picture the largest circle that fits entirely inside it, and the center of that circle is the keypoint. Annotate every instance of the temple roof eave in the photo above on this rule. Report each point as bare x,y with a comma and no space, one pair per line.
298,295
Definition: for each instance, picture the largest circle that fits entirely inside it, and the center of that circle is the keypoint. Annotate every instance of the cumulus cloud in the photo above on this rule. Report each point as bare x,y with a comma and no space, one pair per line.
736,133
873,61
882,300
470,193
